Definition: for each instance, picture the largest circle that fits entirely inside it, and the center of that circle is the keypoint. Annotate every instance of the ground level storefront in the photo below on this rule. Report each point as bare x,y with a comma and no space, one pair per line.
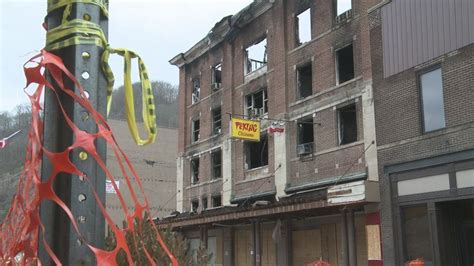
431,214
292,234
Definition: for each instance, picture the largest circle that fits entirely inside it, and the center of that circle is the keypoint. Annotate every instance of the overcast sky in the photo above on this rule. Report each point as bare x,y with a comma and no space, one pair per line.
156,29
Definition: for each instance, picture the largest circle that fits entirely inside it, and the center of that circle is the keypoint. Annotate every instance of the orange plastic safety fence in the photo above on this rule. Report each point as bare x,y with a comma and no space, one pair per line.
19,232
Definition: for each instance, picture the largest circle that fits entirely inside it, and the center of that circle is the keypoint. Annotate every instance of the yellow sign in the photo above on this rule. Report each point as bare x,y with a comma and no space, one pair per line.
245,129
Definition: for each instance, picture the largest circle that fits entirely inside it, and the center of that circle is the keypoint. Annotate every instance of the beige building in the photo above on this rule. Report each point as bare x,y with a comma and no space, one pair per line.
155,164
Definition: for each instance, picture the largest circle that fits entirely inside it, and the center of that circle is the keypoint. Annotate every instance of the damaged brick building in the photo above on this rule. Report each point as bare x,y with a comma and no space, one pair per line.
297,196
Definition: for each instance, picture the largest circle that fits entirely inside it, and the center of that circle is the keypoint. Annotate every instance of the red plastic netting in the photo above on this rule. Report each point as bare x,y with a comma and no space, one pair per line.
19,233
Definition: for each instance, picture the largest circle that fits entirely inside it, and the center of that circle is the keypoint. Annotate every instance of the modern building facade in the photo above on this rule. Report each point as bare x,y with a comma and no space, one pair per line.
423,78
154,166
309,191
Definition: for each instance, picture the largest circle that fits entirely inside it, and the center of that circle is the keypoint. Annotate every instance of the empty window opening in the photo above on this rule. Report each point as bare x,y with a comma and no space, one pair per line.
194,171
196,90
216,121
256,104
256,56
216,164
343,6
216,201
217,77
305,81
303,27
345,64
194,206
431,85
256,153
305,137
347,117
204,203
196,125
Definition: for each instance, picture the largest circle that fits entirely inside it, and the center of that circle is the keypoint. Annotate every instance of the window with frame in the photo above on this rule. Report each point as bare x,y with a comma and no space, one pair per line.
216,201
305,130
194,206
216,158
432,100
194,171
204,203
347,124
196,126
303,27
217,77
345,64
304,75
255,56
256,153
256,104
196,92
343,6
216,121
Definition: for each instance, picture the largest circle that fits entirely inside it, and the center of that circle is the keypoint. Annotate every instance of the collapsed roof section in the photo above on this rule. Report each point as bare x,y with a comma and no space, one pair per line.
224,30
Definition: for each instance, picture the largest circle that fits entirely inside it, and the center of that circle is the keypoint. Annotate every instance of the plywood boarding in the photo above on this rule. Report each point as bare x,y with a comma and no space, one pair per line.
414,32
361,240
306,246
243,246
329,243
219,250
268,246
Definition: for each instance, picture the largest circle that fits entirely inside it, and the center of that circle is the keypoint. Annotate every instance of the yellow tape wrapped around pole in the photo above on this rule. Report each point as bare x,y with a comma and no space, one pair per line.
79,31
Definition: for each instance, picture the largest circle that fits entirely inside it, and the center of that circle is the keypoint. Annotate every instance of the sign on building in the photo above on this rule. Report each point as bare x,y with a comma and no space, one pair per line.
245,129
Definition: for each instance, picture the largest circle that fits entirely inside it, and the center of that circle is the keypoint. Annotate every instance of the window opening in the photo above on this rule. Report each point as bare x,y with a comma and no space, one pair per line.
216,121
196,127
257,153
256,56
305,80
347,124
431,85
417,240
305,137
194,171
256,104
217,77
204,203
217,164
303,27
216,201
194,206
196,90
343,6
345,64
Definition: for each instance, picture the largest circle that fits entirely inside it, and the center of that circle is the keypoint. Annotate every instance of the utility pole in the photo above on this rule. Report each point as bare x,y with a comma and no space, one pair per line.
84,62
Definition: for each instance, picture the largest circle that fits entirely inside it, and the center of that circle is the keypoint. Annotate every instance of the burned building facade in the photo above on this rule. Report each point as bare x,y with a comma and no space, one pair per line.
310,190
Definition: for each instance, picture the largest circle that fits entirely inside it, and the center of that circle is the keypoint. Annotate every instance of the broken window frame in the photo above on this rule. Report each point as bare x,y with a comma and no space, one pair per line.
194,166
337,58
195,132
259,149
252,64
216,199
196,90
342,127
194,206
216,77
305,124
298,28
216,121
251,100
308,91
216,164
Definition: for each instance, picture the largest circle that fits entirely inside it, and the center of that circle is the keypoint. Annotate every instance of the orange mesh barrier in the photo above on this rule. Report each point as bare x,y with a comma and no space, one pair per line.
19,232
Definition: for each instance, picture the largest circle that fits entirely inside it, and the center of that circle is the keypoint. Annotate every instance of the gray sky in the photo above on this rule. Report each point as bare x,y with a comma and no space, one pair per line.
156,29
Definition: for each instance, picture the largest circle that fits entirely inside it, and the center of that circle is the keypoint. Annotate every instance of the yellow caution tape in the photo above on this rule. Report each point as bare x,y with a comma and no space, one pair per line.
56,4
79,31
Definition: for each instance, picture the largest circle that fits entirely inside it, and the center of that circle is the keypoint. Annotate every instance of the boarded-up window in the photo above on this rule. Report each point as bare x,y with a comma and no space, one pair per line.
306,246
